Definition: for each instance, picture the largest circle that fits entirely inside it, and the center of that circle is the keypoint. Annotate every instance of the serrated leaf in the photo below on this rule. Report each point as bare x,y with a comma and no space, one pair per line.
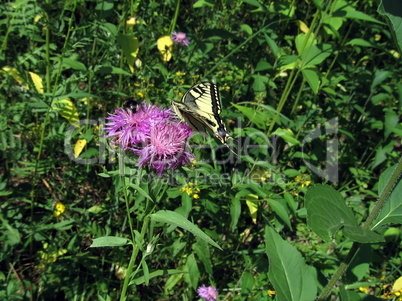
37,81
291,277
176,219
109,241
392,210
327,211
67,110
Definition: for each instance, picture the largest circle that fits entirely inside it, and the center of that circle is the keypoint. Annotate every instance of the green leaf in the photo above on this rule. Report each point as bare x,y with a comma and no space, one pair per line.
129,45
235,211
388,8
204,3
327,211
360,235
173,218
158,273
104,69
312,77
109,241
380,76
193,275
392,210
286,135
247,29
74,64
247,283
259,118
291,277
391,120
281,211
361,42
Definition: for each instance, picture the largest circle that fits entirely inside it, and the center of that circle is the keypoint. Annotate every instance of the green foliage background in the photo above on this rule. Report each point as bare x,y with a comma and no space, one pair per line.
284,68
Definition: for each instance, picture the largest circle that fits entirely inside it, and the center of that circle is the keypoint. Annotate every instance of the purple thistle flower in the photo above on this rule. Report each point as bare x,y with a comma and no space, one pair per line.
128,127
180,38
209,293
153,133
167,147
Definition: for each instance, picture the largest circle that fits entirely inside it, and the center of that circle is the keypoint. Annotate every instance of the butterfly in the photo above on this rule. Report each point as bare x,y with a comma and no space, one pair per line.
200,108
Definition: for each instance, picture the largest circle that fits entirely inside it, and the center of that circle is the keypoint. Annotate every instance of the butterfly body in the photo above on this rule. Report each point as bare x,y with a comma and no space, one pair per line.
200,108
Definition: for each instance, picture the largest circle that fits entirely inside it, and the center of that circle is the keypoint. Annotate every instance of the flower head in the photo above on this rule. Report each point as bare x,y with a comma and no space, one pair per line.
128,128
209,293
152,133
180,38
167,147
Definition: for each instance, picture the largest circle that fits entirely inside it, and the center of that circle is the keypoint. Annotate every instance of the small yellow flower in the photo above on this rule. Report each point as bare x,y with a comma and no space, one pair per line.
191,190
364,289
139,94
179,73
270,293
59,209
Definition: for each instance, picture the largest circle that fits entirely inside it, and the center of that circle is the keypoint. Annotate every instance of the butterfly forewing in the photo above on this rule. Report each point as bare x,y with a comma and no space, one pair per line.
200,108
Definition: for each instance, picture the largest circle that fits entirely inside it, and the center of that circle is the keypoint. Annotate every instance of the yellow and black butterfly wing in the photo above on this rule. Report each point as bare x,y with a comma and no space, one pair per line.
200,108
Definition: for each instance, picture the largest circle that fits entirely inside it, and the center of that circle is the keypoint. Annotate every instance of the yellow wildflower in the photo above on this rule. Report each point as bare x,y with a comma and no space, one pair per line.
139,94
59,209
191,190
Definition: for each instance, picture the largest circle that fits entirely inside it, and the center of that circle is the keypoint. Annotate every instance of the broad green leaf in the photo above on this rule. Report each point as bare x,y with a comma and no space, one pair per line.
259,118
391,120
104,69
109,241
388,8
287,135
68,110
247,29
291,277
281,211
173,218
361,42
129,45
193,275
74,64
360,265
312,77
288,62
259,84
272,45
360,235
235,211
141,191
203,253
392,210
380,76
247,283
327,211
